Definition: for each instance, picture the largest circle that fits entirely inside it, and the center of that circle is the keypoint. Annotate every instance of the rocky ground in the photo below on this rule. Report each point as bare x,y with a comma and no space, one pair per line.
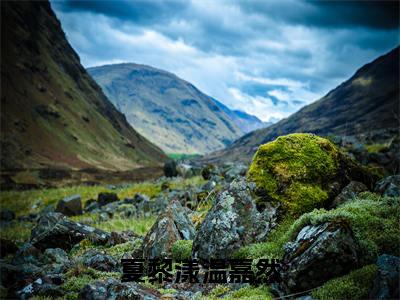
332,224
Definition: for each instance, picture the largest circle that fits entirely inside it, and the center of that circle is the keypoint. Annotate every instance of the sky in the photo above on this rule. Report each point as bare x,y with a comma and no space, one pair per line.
267,58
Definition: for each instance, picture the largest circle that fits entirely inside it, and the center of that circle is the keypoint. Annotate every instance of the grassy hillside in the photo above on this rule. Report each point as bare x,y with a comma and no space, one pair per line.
52,113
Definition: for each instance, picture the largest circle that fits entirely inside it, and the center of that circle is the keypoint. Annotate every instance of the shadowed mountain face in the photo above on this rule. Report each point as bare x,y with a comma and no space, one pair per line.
169,111
52,112
366,105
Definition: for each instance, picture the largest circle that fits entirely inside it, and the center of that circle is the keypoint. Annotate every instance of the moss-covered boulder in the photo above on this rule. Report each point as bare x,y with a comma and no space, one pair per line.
301,172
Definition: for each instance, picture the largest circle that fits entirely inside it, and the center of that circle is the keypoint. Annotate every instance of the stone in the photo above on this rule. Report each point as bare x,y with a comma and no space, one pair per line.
386,283
389,186
99,261
302,171
185,170
7,247
55,255
113,289
7,215
232,222
173,225
121,237
40,288
170,169
54,230
234,170
106,198
349,192
319,253
70,206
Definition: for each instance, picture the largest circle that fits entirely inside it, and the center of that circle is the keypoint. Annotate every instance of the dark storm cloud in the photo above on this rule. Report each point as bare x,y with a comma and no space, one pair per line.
138,11
268,58
339,14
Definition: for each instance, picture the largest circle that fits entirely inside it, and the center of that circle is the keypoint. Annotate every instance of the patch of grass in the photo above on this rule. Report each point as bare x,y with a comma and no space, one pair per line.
139,225
18,231
376,148
354,285
182,249
178,156
247,293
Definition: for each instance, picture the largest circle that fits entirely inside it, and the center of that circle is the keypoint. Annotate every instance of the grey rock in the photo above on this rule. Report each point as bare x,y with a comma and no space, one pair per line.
349,192
231,223
70,206
232,171
113,289
99,261
185,170
106,198
40,288
319,253
173,225
54,230
27,254
386,283
389,186
170,169
55,255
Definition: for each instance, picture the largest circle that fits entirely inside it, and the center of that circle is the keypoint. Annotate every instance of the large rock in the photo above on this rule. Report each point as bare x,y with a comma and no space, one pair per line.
113,289
386,283
99,261
106,198
170,169
70,206
318,254
232,222
389,186
171,226
349,192
302,172
54,230
187,171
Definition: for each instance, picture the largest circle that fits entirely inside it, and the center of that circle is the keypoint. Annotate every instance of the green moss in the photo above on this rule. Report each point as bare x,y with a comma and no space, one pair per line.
355,285
272,248
376,148
182,249
119,250
294,170
251,293
373,219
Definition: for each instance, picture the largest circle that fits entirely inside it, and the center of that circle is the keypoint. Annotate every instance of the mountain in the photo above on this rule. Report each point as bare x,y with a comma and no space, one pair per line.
366,105
243,120
53,114
169,111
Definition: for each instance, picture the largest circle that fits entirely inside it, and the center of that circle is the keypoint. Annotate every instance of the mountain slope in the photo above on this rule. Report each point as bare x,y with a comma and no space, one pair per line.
365,105
169,111
243,120
52,112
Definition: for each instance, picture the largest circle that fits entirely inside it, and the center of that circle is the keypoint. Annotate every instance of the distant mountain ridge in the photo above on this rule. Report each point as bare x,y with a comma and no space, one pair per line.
169,111
245,121
53,114
367,105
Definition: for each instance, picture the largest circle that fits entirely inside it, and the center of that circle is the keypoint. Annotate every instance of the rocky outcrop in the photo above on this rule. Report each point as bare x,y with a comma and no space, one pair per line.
318,253
349,192
171,226
54,230
386,283
70,206
389,186
302,172
113,289
232,222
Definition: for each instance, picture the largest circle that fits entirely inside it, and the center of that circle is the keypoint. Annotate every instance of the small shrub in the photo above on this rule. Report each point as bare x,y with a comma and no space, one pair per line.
182,249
